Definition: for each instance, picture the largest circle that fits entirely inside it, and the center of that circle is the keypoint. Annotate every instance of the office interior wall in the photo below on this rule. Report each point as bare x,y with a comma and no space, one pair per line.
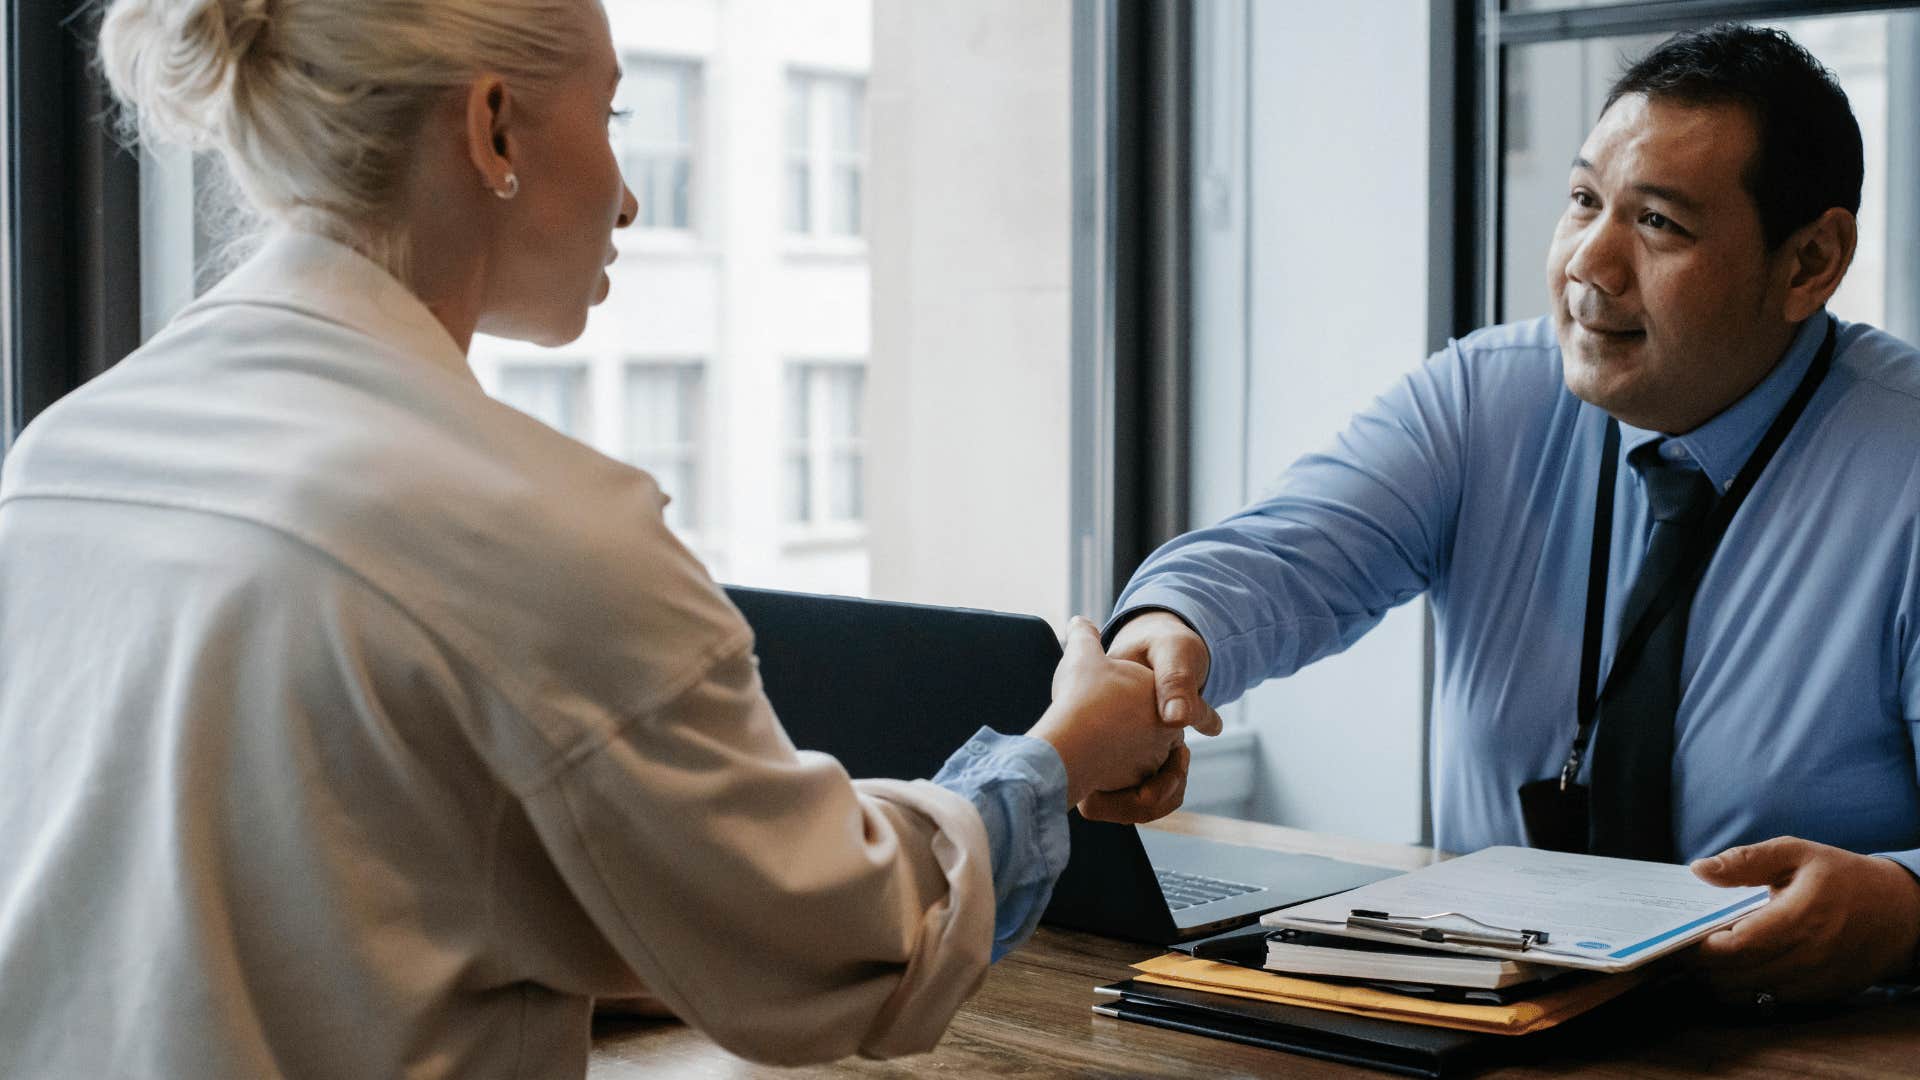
1335,311
970,250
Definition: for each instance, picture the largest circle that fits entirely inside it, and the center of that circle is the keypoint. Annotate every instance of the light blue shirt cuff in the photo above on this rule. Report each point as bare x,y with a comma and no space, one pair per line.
1908,859
1019,785
1911,861
1163,595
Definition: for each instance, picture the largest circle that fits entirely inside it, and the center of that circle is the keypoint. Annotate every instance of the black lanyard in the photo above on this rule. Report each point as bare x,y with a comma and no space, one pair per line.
1686,576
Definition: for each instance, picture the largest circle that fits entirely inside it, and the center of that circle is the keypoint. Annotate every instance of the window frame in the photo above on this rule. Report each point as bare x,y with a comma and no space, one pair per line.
579,371
818,448
70,220
691,452
692,74
820,159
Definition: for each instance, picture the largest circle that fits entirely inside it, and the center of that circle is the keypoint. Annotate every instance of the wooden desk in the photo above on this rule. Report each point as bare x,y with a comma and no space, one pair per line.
1031,1019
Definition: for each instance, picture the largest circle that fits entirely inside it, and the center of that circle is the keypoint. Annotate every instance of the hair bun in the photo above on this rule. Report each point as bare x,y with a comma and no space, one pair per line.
174,63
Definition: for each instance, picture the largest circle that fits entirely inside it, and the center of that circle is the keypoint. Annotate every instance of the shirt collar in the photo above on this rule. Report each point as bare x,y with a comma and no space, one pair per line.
1722,445
311,273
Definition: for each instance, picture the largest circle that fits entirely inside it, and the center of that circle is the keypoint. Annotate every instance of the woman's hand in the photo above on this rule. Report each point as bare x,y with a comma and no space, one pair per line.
1104,721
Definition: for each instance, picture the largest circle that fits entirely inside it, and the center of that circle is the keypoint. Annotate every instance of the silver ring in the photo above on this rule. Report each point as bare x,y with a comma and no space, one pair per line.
1763,1000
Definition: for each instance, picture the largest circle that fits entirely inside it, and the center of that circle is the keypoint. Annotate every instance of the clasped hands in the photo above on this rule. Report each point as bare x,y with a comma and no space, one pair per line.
1119,716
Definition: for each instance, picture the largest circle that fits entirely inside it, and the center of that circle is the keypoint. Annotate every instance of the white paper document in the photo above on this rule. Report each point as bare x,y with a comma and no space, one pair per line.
1598,913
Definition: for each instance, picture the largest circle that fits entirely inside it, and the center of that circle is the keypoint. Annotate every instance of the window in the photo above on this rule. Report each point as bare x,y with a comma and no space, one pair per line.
748,150
663,423
826,451
554,394
656,139
826,154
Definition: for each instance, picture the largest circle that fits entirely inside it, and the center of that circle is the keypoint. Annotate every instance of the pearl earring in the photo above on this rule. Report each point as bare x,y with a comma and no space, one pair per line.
511,189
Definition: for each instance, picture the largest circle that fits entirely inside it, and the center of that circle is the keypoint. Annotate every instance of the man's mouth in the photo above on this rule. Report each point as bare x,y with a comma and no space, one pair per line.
1617,332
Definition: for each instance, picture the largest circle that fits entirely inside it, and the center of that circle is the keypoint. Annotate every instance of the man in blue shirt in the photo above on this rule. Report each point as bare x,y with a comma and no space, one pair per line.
1710,215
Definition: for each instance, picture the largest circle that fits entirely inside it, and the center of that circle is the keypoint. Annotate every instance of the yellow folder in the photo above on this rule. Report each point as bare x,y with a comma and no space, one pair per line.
1519,1018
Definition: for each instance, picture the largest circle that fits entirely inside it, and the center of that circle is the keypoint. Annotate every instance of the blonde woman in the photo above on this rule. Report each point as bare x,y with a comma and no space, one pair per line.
359,726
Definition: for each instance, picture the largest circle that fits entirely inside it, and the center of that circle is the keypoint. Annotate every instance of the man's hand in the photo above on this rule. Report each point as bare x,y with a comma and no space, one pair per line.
1838,922
1153,798
1102,721
1179,661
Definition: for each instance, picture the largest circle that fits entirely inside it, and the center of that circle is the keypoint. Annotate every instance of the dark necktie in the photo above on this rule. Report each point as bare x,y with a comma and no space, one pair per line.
1632,812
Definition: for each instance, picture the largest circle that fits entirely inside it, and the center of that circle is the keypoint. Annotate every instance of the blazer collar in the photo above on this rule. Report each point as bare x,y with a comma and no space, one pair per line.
307,272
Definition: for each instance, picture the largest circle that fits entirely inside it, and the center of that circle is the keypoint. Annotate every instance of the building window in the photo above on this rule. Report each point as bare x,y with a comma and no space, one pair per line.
826,444
665,404
826,155
554,394
655,139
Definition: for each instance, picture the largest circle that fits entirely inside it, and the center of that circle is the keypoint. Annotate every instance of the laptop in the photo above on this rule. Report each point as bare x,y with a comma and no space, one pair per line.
893,689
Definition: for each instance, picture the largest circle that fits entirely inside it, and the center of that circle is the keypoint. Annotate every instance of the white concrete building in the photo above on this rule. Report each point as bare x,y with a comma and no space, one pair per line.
730,358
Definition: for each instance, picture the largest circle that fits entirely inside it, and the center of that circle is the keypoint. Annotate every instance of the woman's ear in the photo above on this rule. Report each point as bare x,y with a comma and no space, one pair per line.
1818,255
490,138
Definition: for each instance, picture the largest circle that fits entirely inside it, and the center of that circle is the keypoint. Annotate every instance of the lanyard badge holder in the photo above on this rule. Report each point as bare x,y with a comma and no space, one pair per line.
1556,810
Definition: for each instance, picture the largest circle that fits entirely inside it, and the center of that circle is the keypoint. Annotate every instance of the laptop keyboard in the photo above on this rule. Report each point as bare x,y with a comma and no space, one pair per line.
1189,890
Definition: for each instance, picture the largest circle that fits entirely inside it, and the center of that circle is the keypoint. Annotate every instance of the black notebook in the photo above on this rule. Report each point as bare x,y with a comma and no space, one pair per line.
1407,1049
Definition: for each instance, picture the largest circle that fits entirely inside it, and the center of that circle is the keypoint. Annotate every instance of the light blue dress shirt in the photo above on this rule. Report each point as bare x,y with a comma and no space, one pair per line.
1019,785
1473,481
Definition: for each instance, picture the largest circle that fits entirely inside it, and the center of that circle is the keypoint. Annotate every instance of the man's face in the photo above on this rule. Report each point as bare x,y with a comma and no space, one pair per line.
1659,270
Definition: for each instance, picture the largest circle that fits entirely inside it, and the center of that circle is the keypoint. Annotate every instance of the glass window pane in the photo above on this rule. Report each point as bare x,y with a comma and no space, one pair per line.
846,201
656,139
843,487
799,106
1548,5
679,185
795,488
844,106
799,386
549,393
663,422
799,194
845,387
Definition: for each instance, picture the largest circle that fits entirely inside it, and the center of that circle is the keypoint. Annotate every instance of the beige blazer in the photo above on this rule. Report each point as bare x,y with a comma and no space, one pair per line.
356,725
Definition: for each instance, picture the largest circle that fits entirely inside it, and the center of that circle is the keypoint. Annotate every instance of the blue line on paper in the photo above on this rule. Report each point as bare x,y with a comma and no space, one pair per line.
1678,930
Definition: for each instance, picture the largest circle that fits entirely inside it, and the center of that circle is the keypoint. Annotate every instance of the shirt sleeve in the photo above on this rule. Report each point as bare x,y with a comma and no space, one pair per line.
790,913
1907,632
1347,534
1019,786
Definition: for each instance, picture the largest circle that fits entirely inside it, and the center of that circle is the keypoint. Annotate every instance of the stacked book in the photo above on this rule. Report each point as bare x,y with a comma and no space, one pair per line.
1397,975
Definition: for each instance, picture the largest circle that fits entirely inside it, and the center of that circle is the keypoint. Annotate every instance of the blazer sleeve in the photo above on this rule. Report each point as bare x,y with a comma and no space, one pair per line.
790,913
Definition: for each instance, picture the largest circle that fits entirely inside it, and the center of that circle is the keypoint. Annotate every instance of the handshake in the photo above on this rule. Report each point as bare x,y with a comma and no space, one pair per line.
1119,718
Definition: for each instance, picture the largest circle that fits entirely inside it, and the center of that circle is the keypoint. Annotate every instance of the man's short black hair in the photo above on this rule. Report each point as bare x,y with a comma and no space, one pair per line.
1809,158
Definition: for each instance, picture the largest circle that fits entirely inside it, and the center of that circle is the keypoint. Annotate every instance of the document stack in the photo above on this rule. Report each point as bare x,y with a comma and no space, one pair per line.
1431,973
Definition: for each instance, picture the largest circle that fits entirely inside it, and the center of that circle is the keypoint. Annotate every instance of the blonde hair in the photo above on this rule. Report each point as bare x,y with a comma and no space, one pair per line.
314,105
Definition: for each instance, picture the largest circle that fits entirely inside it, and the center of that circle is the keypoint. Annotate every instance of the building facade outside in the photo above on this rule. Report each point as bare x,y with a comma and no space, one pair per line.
730,359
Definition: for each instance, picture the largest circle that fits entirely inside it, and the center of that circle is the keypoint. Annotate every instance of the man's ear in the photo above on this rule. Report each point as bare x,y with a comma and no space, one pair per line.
490,137
1815,260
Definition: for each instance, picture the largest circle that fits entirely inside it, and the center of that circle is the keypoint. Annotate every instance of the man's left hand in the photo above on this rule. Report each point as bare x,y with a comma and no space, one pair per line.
1837,923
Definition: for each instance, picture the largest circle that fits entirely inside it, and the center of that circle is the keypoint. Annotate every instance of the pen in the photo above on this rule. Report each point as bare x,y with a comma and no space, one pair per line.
1416,926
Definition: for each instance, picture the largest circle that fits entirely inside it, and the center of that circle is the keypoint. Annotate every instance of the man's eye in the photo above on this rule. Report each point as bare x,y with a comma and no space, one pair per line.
1582,199
1659,221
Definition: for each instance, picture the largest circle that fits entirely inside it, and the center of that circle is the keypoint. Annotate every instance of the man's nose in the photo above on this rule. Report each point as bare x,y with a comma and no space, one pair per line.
1600,258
